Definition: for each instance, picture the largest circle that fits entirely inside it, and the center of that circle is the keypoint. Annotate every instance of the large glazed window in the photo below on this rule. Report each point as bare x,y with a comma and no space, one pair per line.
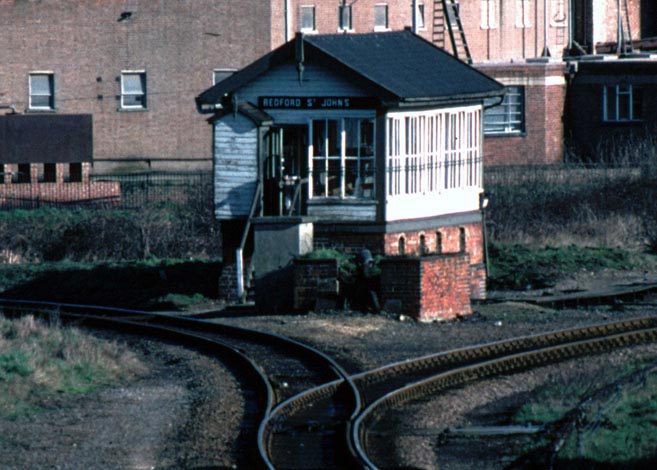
431,152
509,116
342,158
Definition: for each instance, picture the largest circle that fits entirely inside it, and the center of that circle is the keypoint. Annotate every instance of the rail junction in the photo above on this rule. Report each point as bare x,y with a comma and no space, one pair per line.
307,411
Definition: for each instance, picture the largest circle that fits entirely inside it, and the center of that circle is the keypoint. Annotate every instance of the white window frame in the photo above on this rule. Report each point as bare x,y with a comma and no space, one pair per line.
523,14
144,92
434,151
512,113
489,14
50,94
419,16
378,27
365,188
341,17
311,8
612,96
227,71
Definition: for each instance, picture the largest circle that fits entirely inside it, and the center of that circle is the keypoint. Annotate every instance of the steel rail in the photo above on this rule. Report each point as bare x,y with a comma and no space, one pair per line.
487,368
203,328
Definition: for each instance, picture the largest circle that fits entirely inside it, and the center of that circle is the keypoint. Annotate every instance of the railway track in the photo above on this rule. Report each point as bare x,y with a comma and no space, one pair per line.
324,422
278,369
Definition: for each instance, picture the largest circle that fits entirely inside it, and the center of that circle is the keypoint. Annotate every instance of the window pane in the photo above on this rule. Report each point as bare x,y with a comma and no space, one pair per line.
40,102
381,16
420,16
308,18
637,103
345,17
509,116
132,83
40,84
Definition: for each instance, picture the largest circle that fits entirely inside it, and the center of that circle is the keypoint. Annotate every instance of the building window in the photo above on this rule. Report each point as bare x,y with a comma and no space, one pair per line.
344,18
622,103
133,90
42,91
401,245
509,116
23,175
221,74
380,17
419,16
343,158
489,14
307,18
75,173
523,14
49,173
430,152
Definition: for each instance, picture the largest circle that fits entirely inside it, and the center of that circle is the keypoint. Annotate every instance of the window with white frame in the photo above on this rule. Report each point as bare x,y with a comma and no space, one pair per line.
343,158
380,17
433,151
419,16
523,14
221,74
344,18
508,117
307,18
42,91
489,14
622,103
133,90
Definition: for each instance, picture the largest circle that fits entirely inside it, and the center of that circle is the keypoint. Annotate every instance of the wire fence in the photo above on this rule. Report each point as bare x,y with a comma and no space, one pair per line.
115,191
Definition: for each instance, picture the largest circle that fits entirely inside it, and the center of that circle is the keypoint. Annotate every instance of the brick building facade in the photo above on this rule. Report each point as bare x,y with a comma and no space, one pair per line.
135,66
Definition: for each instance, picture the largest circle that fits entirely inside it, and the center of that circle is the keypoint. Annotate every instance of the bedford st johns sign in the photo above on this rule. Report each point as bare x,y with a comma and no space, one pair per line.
316,102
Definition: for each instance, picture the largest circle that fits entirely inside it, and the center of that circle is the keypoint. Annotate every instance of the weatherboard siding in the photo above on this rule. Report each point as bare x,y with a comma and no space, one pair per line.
283,80
236,166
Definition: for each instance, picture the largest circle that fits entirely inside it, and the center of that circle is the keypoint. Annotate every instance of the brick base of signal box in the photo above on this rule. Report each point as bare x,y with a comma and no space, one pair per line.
427,288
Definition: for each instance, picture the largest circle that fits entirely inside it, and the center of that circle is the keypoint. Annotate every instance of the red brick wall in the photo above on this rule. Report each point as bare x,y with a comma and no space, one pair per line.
388,244
427,288
178,44
362,11
545,95
315,284
12,193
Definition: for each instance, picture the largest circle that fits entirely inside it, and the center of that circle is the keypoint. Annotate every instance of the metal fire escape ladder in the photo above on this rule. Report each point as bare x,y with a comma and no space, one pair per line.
450,19
624,35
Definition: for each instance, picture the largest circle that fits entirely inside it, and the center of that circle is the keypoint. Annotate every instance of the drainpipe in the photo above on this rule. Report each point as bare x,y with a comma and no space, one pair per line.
287,20
414,16
546,49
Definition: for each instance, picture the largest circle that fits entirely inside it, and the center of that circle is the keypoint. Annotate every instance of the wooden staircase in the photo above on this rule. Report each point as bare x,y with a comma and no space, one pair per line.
448,30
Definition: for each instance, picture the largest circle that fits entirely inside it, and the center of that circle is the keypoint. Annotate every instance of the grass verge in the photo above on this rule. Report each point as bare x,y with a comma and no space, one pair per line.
520,267
39,361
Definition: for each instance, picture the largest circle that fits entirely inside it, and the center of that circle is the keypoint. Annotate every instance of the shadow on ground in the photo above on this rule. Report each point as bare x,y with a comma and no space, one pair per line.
167,287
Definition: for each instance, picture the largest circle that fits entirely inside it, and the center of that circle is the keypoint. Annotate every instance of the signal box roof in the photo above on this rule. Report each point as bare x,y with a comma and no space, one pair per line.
400,68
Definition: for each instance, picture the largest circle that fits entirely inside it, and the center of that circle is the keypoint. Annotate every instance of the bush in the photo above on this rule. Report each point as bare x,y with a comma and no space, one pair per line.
107,235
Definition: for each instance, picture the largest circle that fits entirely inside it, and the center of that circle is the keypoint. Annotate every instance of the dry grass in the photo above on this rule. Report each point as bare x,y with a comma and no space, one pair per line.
39,361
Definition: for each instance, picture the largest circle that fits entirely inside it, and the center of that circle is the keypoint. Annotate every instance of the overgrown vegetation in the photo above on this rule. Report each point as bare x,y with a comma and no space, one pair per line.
526,267
90,235
38,361
616,419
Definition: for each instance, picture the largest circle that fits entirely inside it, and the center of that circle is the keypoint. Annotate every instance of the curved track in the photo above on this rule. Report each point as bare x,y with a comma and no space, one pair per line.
321,420
283,367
